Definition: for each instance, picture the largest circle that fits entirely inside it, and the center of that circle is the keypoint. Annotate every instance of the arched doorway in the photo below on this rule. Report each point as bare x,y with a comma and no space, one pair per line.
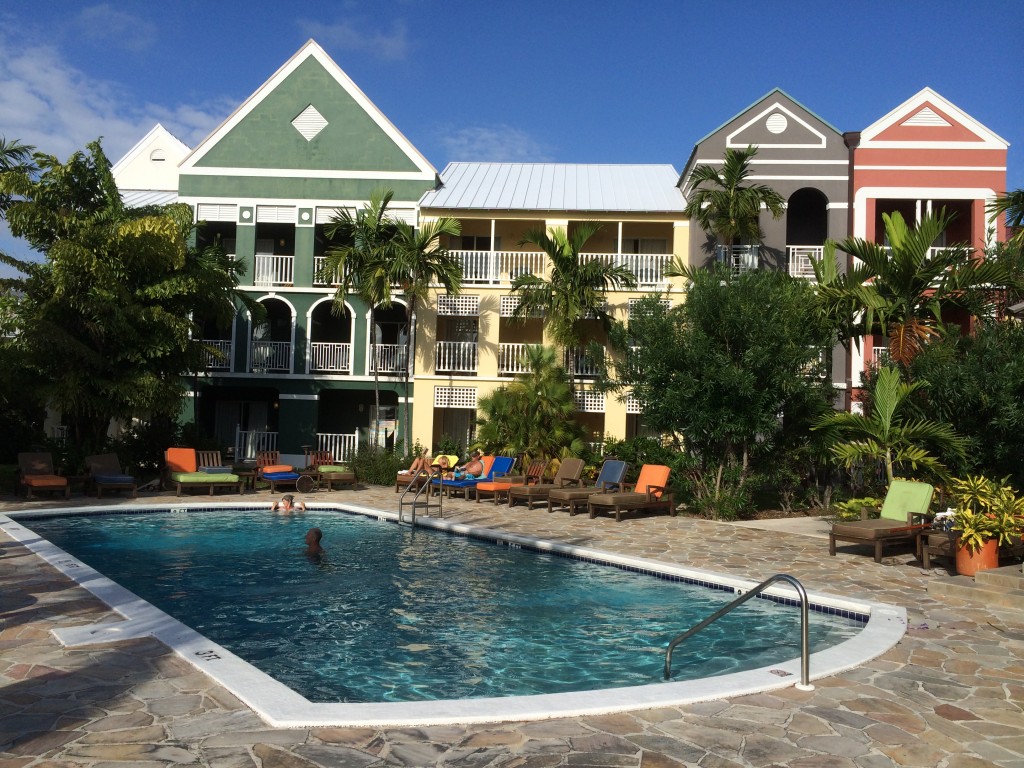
806,229
270,350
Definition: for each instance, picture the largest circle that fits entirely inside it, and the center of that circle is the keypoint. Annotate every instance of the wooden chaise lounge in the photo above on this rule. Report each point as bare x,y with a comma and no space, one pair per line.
189,468
35,473
567,476
650,491
105,474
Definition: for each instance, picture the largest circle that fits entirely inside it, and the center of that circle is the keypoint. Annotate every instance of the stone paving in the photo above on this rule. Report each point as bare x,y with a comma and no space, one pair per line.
951,694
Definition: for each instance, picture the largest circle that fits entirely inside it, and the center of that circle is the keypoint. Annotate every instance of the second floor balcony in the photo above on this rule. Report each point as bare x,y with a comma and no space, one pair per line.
799,259
272,270
390,359
270,357
330,357
218,354
738,258
499,267
455,357
648,268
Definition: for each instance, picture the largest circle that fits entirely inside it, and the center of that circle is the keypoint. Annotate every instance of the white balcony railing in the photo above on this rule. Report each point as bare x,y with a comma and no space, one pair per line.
800,259
342,446
330,357
512,359
267,356
647,268
274,270
318,278
455,357
581,364
499,267
390,358
218,354
739,258
247,442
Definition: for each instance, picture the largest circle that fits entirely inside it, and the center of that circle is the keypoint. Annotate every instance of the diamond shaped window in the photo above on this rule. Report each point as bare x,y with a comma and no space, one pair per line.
309,123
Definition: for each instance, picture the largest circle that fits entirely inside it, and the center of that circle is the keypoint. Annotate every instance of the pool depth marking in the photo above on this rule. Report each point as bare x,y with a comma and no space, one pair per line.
282,707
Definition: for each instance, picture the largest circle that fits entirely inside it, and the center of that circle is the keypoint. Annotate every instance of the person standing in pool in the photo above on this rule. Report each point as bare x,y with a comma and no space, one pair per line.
287,505
313,538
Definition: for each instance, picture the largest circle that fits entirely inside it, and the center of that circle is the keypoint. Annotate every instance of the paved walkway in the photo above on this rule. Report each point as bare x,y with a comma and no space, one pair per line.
951,694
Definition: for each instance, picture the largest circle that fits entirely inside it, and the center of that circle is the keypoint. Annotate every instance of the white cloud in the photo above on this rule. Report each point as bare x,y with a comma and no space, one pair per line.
108,26
47,103
348,36
492,143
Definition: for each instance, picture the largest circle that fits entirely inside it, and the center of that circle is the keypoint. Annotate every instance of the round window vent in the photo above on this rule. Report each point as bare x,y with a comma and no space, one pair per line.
777,123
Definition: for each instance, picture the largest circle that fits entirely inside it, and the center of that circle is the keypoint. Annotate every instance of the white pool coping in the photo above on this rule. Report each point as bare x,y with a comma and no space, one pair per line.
282,707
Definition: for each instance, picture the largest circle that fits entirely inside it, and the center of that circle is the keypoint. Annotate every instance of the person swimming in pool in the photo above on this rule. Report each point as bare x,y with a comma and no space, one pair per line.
287,505
313,538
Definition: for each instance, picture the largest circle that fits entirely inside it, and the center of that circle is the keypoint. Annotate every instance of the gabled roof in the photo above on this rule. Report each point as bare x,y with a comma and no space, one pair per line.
926,118
766,97
151,166
556,187
305,123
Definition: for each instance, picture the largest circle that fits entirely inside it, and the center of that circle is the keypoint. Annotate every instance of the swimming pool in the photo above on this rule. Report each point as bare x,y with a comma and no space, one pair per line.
343,605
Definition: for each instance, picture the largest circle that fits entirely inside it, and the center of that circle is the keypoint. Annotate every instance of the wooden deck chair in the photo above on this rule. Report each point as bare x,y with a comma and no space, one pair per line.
325,469
188,468
270,469
609,478
500,485
105,474
902,517
567,476
36,473
650,491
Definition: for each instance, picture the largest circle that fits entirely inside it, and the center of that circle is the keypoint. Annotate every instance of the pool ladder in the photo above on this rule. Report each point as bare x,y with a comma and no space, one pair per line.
805,683
416,501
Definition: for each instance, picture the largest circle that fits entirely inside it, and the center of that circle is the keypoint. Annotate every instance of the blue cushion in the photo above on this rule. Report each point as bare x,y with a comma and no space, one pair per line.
114,479
216,470
281,475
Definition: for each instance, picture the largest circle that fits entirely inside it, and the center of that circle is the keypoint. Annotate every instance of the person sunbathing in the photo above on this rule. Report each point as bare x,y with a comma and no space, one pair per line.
472,468
420,463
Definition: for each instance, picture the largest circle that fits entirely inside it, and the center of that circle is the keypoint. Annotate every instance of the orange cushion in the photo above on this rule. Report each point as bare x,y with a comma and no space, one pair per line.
491,486
40,481
181,459
488,462
652,474
277,468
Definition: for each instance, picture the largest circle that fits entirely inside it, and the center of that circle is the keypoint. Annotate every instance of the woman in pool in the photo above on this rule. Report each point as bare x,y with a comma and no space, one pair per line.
287,505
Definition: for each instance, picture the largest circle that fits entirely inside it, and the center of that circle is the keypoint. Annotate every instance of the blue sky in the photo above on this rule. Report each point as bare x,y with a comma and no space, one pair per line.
629,82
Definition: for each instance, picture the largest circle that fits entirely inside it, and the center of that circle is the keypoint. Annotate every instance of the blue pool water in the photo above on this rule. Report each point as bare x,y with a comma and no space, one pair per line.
391,613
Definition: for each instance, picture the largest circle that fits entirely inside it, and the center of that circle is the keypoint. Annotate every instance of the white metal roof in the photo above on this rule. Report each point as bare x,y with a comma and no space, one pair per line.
137,198
556,187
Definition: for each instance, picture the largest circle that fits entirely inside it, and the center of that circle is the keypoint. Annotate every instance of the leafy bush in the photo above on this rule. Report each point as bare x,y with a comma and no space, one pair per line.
851,509
449,446
378,466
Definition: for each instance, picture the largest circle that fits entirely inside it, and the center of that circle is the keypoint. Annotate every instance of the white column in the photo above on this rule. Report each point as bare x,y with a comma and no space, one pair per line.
618,246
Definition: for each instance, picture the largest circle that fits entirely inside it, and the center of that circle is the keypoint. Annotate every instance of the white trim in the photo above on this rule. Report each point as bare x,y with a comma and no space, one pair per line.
986,138
777,106
297,397
309,328
310,50
144,143
929,168
862,195
312,173
756,161
837,206
758,177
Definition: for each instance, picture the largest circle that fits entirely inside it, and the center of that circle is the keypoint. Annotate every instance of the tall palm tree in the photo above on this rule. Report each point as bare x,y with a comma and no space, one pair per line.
885,436
419,262
1012,206
902,287
576,287
726,205
365,246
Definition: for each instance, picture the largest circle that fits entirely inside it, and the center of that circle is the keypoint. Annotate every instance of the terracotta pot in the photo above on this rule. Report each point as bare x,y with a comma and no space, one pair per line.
969,563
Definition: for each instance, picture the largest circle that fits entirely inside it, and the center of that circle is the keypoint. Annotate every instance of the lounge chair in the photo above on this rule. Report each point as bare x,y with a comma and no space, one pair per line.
105,474
323,468
608,479
650,491
903,511
568,475
493,465
500,485
270,468
188,468
404,478
35,473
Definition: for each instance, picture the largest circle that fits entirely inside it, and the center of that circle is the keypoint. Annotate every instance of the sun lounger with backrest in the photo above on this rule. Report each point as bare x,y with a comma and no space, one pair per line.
322,464
567,476
650,491
270,468
187,468
105,474
35,473
493,465
612,473
404,478
501,484
902,517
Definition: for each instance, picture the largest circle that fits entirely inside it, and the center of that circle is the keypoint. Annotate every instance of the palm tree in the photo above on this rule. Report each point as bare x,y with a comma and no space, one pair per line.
902,287
725,205
1012,206
360,260
885,436
16,157
419,262
576,288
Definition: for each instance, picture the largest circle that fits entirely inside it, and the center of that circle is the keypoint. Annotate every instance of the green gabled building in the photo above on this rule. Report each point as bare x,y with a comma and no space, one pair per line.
307,143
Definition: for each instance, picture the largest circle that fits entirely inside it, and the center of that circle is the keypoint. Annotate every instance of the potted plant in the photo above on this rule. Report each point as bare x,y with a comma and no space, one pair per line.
986,515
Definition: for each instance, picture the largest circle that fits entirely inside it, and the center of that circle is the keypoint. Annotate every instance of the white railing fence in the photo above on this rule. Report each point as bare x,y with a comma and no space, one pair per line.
247,442
455,356
800,259
342,446
319,262
579,363
499,267
218,354
512,359
270,356
274,270
330,357
647,268
739,258
390,358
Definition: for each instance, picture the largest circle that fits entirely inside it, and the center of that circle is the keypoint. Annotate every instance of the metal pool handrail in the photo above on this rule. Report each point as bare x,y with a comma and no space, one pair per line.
415,499
805,683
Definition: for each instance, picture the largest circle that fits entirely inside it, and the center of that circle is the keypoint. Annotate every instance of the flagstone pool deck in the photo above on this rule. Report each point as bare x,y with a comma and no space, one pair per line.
950,694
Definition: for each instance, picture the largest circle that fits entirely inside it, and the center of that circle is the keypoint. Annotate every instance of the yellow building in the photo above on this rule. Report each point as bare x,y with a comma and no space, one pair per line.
469,344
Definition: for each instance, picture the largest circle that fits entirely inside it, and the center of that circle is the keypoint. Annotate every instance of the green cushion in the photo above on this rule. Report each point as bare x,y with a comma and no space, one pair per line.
202,477
905,497
333,468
